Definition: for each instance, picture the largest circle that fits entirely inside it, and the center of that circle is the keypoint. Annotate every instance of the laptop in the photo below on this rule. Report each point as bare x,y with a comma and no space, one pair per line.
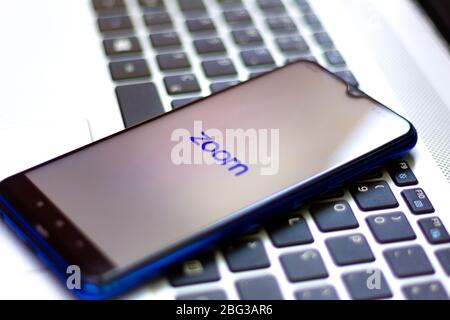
77,71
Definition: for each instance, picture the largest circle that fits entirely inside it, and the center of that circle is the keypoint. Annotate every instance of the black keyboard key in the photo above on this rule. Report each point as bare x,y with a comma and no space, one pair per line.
138,103
367,285
230,3
220,86
262,288
348,250
219,68
418,202
201,25
283,24
434,230
257,58
166,39
402,174
271,5
238,17
207,46
444,259
313,21
323,39
191,5
408,262
109,5
290,232
425,291
247,37
304,6
111,24
317,294
182,102
181,84
258,73
121,46
157,19
374,196
293,44
247,254
391,227
207,295
334,58
334,216
172,61
129,69
304,266
152,4
201,270
295,58
348,77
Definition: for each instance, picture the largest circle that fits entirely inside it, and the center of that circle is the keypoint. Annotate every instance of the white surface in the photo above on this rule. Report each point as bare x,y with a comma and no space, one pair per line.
53,66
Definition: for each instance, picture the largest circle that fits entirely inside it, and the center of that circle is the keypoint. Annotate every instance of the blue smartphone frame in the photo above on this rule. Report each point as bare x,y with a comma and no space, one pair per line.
139,274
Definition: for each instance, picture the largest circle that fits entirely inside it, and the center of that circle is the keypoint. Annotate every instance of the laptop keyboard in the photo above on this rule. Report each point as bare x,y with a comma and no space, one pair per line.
166,54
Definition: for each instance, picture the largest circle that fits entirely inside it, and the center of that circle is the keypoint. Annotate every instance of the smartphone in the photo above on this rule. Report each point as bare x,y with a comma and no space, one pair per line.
124,209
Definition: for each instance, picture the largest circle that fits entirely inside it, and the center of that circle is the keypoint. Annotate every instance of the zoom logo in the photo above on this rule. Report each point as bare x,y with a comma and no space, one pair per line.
239,151
222,156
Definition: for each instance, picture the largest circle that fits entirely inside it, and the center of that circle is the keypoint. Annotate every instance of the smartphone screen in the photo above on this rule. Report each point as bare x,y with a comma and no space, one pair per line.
137,194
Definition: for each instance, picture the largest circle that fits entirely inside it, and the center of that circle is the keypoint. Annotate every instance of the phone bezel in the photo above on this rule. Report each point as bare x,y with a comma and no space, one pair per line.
102,279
